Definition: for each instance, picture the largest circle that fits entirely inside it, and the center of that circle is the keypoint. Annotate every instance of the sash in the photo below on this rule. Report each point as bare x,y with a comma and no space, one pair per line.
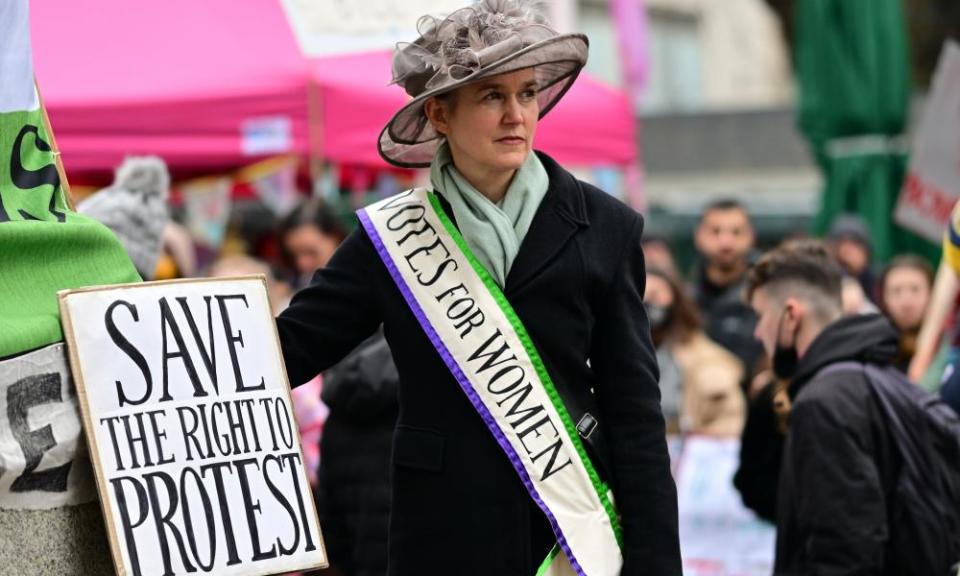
493,359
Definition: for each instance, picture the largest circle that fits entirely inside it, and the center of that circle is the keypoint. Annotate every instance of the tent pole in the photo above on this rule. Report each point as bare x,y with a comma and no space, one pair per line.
315,133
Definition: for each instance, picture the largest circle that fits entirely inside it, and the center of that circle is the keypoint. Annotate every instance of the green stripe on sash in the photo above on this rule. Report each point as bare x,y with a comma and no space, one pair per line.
548,385
548,561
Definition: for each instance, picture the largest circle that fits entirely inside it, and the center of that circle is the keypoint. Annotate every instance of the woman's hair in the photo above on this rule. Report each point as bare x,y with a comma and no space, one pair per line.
314,212
685,320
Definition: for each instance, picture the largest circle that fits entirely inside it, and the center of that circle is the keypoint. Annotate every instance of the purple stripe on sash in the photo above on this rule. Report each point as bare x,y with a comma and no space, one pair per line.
464,383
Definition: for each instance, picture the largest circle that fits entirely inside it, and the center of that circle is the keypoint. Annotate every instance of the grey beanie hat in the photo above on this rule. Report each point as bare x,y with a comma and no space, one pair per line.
850,227
134,207
490,38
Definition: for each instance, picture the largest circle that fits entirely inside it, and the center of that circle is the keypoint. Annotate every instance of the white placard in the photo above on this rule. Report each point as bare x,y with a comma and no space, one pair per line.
187,412
718,535
932,186
266,135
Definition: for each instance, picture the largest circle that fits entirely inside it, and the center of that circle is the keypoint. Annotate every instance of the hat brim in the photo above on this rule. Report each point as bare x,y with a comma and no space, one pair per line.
410,141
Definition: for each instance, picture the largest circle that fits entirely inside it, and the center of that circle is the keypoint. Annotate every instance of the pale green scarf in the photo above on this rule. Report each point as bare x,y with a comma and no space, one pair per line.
493,232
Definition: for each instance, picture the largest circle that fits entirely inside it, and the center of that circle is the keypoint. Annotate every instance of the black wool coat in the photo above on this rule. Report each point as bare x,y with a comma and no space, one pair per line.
353,496
577,285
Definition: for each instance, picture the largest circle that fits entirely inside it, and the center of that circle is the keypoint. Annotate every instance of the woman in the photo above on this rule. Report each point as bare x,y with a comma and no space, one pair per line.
310,235
905,288
542,383
699,380
352,482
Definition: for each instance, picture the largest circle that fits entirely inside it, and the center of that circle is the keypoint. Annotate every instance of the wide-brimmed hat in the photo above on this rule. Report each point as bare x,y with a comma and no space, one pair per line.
490,38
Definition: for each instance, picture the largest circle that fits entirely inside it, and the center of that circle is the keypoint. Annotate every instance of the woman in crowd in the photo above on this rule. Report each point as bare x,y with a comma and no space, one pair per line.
699,380
353,481
310,235
904,289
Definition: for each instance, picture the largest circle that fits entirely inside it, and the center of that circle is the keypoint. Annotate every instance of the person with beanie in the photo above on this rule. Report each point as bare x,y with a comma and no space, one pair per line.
134,207
849,242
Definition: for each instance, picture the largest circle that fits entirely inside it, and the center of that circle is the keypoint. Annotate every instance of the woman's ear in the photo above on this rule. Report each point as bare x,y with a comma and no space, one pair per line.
437,114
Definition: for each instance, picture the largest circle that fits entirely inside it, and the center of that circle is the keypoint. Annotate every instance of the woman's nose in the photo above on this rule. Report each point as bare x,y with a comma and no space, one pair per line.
513,112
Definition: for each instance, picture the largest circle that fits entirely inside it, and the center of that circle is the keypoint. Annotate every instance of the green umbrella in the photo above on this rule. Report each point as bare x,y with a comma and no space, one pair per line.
853,70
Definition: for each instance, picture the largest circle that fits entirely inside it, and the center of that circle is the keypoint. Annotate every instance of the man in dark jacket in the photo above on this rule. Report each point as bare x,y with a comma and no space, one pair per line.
725,239
839,461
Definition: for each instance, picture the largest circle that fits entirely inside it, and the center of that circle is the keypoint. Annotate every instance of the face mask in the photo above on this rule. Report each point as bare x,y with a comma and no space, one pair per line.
785,357
659,316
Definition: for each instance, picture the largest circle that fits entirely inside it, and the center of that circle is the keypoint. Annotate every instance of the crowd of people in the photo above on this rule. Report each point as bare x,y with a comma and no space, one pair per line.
726,365
801,352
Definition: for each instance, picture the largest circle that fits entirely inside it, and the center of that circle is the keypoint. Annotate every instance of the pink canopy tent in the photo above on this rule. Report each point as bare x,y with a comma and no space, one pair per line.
214,85
179,78
592,125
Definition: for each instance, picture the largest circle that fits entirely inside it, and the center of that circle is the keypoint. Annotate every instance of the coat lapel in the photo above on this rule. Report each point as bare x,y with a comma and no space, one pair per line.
561,214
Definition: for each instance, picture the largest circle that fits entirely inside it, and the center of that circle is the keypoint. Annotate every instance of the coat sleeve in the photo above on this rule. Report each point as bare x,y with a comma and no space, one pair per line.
624,362
839,497
339,310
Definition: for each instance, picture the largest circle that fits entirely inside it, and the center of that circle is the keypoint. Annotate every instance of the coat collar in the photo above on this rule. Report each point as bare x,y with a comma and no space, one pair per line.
561,214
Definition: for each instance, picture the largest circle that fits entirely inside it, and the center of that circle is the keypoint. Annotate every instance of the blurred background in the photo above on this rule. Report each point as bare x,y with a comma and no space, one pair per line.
732,124
277,100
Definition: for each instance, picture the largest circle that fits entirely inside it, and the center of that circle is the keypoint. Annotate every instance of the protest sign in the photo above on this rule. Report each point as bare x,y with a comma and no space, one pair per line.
720,536
206,203
932,185
188,417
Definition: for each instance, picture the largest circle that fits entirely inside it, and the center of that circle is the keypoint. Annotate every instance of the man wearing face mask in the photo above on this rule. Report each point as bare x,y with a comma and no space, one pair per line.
839,461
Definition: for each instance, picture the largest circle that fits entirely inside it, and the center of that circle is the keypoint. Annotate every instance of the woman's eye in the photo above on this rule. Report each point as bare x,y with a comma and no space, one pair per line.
492,96
529,94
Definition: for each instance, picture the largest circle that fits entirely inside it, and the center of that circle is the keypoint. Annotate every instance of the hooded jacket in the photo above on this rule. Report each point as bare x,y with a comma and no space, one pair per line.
839,461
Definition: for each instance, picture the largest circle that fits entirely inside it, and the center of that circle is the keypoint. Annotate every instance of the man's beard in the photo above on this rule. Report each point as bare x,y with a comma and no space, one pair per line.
727,265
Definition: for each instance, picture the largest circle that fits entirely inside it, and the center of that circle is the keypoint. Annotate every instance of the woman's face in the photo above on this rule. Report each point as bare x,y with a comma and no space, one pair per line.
906,293
658,291
309,248
490,124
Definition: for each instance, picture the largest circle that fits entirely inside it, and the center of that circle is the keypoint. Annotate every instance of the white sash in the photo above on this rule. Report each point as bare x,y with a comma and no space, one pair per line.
492,357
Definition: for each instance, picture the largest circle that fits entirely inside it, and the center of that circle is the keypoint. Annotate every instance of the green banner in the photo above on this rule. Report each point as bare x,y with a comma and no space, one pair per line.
30,187
44,246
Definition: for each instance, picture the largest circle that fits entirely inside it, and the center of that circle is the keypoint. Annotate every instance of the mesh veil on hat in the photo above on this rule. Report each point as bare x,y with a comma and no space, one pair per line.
490,38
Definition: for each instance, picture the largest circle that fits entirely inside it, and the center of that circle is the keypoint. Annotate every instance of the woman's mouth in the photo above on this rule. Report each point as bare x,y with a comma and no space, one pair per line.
512,140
